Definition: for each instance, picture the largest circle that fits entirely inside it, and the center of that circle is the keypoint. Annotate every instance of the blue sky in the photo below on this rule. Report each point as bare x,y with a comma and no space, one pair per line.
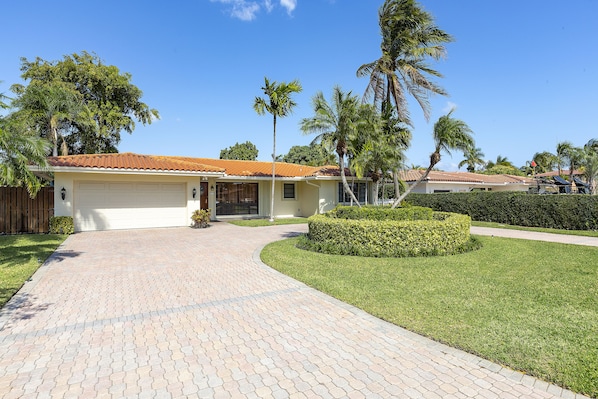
522,74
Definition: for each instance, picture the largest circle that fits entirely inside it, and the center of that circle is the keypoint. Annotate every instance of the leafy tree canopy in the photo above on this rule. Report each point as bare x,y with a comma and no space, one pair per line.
313,155
111,102
246,151
500,169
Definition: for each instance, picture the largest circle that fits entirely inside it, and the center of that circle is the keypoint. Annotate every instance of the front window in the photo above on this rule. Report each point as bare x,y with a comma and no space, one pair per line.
236,199
288,190
359,189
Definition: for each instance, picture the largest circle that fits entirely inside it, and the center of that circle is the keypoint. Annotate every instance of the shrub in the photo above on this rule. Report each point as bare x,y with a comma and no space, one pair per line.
442,234
201,218
382,213
570,212
62,225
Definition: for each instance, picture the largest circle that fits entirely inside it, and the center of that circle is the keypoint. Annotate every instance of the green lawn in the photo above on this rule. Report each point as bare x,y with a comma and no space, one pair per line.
266,222
20,256
530,305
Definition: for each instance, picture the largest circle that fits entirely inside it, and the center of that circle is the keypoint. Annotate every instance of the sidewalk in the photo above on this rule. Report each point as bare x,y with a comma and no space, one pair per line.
537,236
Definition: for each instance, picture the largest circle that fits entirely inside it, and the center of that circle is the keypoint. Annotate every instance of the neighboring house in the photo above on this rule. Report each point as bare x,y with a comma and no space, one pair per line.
121,191
445,182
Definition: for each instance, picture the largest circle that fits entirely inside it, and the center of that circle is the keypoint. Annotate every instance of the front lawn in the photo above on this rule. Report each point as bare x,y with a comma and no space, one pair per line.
530,305
20,256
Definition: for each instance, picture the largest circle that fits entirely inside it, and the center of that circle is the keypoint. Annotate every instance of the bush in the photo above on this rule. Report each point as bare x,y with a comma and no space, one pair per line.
382,213
62,225
570,212
442,234
201,218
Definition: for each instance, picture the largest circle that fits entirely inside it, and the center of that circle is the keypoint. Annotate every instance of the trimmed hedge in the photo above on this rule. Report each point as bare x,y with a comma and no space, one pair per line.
61,225
446,233
569,212
382,213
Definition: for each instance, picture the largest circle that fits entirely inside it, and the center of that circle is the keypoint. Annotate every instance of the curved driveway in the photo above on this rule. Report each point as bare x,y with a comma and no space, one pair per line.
193,313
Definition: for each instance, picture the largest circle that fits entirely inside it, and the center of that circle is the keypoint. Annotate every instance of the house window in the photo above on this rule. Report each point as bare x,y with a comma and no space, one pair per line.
237,199
288,191
359,189
442,191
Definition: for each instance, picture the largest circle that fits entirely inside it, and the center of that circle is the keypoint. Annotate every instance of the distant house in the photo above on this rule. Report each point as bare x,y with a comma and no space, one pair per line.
122,191
445,182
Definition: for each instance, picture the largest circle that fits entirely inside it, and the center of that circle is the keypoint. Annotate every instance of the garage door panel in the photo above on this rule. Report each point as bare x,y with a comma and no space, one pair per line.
124,205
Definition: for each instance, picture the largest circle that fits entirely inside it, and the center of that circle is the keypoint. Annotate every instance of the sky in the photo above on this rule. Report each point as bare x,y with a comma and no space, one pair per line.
521,74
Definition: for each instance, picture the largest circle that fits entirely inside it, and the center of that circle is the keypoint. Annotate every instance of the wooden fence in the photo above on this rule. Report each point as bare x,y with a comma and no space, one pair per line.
21,214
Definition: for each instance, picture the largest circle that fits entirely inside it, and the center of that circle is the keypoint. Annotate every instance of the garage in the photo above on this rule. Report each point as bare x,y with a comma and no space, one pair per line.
105,205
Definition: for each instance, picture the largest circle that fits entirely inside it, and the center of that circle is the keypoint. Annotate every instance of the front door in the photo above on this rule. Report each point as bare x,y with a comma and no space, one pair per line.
203,195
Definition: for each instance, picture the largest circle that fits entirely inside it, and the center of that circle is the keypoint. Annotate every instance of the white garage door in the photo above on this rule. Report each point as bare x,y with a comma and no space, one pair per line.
129,205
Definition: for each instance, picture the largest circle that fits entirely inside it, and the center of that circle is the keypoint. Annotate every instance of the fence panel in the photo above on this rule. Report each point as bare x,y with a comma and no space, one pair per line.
21,214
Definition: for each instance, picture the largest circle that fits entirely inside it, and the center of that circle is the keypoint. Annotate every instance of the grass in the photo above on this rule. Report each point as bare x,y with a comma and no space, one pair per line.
266,222
529,305
20,256
586,233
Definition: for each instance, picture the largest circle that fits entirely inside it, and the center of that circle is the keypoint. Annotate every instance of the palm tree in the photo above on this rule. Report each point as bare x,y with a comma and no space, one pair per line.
568,154
17,152
336,124
409,37
545,161
590,163
449,134
46,106
279,104
473,156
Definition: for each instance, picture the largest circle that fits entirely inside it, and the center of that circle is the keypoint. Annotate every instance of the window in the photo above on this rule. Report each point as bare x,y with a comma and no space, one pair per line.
288,191
359,189
237,199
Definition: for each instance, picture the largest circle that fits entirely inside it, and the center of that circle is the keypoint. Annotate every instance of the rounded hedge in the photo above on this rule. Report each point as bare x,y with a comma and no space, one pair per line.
443,234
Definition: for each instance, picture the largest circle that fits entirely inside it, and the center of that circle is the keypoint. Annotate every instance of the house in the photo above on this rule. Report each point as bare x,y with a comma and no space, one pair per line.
445,182
122,191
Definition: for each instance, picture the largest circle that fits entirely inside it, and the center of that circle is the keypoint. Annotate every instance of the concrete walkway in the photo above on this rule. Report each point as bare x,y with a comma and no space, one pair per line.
193,313
531,235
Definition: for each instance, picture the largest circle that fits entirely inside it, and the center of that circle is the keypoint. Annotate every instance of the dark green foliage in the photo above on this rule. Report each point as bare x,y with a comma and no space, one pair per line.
444,234
569,212
61,225
246,151
382,213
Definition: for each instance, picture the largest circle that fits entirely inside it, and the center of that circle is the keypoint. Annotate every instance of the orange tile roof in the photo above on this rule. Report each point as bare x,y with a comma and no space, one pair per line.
463,177
130,161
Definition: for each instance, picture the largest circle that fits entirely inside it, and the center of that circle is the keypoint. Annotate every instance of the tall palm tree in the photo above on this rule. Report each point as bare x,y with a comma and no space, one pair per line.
17,152
336,124
473,156
590,163
409,38
449,134
280,104
568,154
545,161
46,106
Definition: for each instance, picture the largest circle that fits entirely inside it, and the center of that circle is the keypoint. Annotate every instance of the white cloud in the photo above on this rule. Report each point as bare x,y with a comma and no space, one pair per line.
289,5
449,106
246,10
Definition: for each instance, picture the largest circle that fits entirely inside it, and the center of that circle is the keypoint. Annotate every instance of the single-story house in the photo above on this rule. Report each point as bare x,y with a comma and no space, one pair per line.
445,182
122,191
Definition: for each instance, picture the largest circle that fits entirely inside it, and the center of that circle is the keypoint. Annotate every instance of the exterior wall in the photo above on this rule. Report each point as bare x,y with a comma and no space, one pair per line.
328,195
67,180
430,187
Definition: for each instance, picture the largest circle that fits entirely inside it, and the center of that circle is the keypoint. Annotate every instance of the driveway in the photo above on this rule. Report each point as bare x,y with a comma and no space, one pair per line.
193,313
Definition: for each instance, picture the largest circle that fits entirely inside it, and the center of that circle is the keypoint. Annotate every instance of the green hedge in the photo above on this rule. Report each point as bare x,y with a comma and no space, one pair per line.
382,213
61,225
446,233
570,212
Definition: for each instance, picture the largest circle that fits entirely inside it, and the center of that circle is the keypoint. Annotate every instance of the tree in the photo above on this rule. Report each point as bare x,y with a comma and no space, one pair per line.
500,161
449,134
113,103
280,104
473,156
17,152
409,38
314,154
246,151
568,154
590,163
336,124
49,109
545,161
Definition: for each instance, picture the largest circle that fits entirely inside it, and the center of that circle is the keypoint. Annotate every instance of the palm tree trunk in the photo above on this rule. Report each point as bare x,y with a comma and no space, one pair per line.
341,164
434,159
273,172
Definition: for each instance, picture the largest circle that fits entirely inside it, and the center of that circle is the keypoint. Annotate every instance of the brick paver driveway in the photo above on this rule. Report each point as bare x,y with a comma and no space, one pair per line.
191,313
